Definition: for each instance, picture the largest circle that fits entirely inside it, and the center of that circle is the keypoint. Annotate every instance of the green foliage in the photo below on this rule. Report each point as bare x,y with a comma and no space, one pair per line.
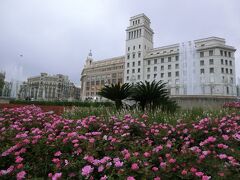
64,103
1,85
153,95
116,93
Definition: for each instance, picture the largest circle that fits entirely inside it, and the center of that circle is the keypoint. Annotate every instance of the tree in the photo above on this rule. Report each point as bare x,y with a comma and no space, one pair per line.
116,93
152,95
1,85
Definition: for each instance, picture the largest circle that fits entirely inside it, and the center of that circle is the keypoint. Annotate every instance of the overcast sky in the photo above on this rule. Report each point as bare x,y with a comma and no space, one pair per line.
55,36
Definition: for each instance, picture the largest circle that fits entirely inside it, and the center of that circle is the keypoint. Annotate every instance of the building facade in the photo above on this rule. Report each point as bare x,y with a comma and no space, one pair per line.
200,67
50,88
96,74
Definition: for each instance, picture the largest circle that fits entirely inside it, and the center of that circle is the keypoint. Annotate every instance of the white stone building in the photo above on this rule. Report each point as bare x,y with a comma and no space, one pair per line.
200,67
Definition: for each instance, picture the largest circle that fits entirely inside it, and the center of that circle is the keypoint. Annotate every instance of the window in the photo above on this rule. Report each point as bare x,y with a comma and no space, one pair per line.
139,70
148,69
227,70
221,61
155,68
229,54
133,70
162,67
128,56
169,74
176,58
162,75
231,80
128,71
177,73
210,61
225,53
139,46
149,62
169,66
138,77
148,76
176,66
169,59
128,48
221,52
211,70
230,63
127,78
201,54
139,63
133,55
202,62
133,64
154,76
133,47
211,53
155,61
222,70
226,62
139,54
127,64
231,71
162,60
202,71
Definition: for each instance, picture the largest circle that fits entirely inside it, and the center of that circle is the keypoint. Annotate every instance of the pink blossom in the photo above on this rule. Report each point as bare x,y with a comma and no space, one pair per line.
134,166
199,174
222,156
225,137
157,178
147,154
18,159
103,178
184,172
206,177
118,164
87,170
163,164
172,160
56,176
58,153
21,175
100,168
130,178
154,169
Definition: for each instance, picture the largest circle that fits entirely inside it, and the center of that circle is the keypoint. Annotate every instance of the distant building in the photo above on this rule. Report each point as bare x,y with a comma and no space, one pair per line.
7,89
50,88
96,74
200,67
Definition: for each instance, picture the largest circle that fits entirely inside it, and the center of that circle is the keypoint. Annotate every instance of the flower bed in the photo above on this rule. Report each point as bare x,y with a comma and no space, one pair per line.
232,104
35,144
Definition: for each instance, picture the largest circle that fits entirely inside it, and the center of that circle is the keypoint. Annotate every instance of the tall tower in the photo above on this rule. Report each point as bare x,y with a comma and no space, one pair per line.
139,39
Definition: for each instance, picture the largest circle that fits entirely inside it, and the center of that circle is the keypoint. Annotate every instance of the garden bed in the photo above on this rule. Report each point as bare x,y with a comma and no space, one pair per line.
35,144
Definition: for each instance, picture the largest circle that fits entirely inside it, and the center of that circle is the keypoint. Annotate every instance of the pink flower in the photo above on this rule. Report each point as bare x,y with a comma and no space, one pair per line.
21,175
130,178
56,160
154,169
172,160
118,164
163,164
206,177
56,176
147,154
103,178
91,140
199,174
87,170
18,159
222,156
58,153
134,166
184,172
193,169
157,178
225,137
100,168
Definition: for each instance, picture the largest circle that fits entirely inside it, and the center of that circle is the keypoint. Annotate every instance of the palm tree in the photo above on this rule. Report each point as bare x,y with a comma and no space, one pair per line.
152,95
116,93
